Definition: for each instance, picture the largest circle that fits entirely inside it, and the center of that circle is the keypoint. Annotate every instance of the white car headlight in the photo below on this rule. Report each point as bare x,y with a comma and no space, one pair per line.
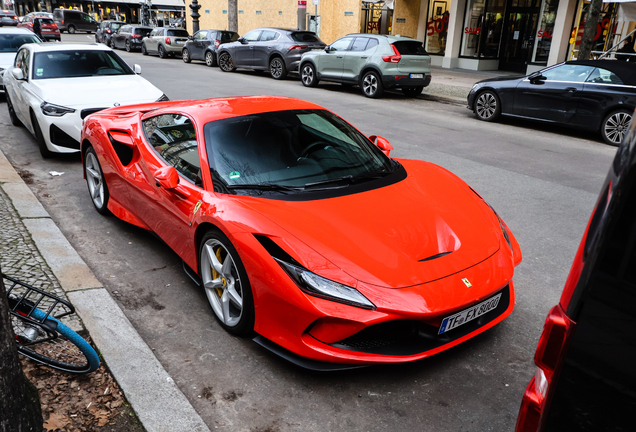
53,110
317,286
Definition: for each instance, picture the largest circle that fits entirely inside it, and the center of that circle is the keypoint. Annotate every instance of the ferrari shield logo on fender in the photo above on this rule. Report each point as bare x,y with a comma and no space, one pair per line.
467,283
196,209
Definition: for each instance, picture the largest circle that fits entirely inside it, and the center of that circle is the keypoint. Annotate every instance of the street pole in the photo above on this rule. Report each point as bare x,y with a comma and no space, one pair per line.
195,6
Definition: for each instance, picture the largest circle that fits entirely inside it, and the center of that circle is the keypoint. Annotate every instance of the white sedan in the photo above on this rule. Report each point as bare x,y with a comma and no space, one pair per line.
51,88
11,39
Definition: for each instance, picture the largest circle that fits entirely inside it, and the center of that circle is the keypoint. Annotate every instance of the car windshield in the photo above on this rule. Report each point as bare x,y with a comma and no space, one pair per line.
410,47
299,149
13,42
45,21
304,37
78,63
227,36
178,33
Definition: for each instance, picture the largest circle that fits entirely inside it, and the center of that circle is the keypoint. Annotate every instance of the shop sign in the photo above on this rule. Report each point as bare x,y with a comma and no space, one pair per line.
545,33
400,20
348,13
437,26
473,30
373,25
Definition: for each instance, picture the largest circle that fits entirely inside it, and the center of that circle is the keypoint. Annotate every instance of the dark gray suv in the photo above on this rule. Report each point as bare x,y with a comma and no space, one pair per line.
273,49
204,44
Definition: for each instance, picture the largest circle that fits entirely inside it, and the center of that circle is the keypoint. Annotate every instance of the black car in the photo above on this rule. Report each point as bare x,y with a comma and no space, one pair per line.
204,44
73,20
8,18
106,30
585,379
129,37
598,95
276,50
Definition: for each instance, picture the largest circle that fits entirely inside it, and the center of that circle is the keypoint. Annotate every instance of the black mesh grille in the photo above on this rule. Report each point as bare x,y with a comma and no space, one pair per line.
62,139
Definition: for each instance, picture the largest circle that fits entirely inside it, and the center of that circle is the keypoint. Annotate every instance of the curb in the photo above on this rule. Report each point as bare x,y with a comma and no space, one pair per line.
151,392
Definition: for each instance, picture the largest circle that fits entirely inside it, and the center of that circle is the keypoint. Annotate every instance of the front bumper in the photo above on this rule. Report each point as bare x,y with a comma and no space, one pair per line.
403,80
471,100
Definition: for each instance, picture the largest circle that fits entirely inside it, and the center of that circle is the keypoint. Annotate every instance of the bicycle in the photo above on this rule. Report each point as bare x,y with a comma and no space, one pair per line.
41,336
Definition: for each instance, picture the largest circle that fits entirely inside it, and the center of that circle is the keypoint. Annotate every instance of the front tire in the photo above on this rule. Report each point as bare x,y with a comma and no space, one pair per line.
128,49
226,283
15,121
143,49
412,92
487,106
71,29
44,150
162,52
308,75
615,126
97,187
185,55
210,59
226,64
372,85
277,68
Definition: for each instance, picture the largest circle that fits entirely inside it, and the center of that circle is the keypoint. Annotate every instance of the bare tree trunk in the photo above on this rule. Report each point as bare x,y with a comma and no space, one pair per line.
232,15
591,24
20,409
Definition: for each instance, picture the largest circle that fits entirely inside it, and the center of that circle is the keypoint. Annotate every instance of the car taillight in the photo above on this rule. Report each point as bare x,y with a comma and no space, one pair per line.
549,356
168,41
297,47
15,17
107,30
394,58
136,36
217,43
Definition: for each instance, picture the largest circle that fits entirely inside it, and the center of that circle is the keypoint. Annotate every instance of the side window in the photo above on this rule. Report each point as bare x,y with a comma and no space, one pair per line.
372,43
153,33
603,76
161,32
19,58
268,35
201,35
174,139
24,65
252,36
360,44
341,44
568,72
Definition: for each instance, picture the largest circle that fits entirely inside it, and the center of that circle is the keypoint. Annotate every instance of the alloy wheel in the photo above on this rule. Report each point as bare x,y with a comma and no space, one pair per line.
185,55
276,68
222,283
307,75
94,180
616,126
128,46
486,105
162,52
225,63
370,84
209,59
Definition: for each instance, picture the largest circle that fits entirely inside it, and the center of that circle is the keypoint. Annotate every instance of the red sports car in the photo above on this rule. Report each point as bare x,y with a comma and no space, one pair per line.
302,230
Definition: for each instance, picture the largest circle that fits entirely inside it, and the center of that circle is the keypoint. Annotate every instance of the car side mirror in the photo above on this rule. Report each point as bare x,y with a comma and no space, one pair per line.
381,143
137,69
537,79
190,38
327,48
18,74
242,40
167,177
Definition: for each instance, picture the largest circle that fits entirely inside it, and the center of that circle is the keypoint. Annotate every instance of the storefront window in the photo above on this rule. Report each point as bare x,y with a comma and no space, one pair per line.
482,28
377,17
437,26
544,31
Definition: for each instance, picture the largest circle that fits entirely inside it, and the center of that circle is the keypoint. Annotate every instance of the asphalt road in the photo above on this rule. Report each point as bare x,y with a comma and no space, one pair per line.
542,180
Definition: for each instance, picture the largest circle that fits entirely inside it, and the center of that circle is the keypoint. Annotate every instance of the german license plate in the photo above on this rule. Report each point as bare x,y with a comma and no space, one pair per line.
179,42
469,314
420,76
46,30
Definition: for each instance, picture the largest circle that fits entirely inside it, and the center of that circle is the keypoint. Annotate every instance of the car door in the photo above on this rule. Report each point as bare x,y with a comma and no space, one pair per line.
332,61
264,47
169,141
198,45
154,40
357,56
16,88
243,52
117,36
554,95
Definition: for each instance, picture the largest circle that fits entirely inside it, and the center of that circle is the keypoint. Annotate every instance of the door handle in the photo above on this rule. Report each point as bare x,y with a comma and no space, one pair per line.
251,47
571,89
338,56
363,57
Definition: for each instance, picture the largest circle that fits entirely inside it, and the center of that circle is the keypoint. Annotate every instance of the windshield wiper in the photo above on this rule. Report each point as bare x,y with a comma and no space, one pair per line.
264,187
347,180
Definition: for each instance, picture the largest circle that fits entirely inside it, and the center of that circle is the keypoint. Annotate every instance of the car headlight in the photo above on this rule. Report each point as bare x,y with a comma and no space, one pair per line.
50,109
317,286
163,98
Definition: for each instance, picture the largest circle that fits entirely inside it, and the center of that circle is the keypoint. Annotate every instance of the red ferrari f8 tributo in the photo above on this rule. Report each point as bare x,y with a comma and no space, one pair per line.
302,230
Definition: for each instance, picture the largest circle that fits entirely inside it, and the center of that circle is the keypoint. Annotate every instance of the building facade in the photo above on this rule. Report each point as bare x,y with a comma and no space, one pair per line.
514,35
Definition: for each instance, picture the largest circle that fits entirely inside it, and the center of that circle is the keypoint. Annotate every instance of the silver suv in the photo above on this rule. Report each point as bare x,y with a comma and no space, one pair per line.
374,62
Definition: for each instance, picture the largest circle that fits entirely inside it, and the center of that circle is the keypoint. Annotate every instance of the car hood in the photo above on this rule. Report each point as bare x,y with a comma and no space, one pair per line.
393,236
104,91
7,59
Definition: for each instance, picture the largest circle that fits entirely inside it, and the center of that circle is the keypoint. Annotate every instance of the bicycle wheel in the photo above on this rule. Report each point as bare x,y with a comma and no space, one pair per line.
54,344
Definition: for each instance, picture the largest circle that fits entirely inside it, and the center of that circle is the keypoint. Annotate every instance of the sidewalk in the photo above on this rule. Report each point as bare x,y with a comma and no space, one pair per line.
33,249
456,83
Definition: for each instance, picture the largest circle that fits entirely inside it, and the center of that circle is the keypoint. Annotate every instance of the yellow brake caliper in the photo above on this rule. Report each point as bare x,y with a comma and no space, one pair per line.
216,274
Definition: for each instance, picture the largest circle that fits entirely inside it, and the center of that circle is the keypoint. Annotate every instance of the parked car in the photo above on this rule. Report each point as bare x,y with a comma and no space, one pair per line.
106,30
53,87
374,62
11,39
8,18
165,42
204,44
272,49
70,20
43,14
585,376
48,28
433,271
596,95
129,37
